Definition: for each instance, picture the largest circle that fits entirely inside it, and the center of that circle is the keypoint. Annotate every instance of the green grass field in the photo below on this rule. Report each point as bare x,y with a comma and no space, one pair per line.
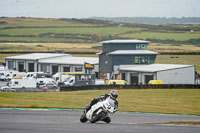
91,31
38,22
180,59
172,101
103,31
164,36
185,122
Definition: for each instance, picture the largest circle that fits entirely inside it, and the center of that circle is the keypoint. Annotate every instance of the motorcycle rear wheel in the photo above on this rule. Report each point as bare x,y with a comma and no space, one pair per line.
98,117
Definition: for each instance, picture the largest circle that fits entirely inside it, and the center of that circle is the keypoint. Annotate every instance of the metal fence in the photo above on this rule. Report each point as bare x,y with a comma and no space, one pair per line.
99,87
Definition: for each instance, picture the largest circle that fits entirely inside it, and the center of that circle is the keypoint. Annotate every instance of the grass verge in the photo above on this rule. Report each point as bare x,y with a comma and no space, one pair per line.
185,122
169,101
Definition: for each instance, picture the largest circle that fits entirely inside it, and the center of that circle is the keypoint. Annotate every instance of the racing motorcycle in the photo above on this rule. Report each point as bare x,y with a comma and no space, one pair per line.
99,112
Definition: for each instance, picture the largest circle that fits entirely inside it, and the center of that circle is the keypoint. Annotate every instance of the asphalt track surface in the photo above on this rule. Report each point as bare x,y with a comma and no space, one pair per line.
34,121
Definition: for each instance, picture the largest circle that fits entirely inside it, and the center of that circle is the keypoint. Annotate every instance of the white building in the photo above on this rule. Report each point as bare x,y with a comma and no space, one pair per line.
28,62
67,64
168,73
50,63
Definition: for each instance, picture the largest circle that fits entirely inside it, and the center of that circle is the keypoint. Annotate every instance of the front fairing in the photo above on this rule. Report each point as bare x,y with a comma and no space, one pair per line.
109,105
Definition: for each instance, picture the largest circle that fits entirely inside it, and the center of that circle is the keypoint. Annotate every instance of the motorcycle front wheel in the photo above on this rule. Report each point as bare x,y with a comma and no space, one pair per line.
83,118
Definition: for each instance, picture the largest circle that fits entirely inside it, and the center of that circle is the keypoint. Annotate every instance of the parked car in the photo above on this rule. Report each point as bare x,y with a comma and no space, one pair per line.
49,86
155,82
7,89
116,82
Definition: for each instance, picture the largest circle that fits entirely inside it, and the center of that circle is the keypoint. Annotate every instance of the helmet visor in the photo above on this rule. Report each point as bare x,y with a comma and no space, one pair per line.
113,96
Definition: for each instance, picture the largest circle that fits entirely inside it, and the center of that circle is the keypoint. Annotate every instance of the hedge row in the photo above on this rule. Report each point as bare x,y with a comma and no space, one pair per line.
99,87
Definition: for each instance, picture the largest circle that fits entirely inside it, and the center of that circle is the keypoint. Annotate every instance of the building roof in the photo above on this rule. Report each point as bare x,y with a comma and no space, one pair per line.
133,52
71,60
152,67
124,41
36,56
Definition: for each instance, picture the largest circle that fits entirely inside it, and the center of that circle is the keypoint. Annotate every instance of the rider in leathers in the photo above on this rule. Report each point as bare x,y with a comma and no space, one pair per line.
113,95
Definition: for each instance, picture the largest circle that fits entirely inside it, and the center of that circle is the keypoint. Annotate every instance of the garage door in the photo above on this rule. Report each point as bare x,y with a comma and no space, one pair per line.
21,67
31,67
54,69
134,80
148,78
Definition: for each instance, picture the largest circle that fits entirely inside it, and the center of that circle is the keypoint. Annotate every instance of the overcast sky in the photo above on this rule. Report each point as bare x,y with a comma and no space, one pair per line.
99,8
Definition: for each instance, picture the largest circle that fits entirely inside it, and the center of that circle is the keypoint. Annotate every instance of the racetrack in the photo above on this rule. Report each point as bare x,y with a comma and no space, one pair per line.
32,121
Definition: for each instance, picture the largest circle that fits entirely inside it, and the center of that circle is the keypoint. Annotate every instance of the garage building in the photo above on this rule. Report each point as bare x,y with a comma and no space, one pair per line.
67,64
50,63
168,73
29,62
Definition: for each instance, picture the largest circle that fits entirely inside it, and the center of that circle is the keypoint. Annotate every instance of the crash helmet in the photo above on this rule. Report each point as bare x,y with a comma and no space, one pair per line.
113,94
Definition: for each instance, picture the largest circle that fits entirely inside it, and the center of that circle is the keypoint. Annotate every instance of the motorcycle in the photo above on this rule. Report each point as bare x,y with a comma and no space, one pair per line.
99,112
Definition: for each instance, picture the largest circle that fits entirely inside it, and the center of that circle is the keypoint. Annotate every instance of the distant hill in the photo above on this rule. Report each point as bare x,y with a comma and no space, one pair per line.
152,20
64,30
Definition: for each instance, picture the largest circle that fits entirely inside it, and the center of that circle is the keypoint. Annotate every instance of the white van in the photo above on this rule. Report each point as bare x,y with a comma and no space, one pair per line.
7,75
70,81
61,77
42,81
21,83
32,74
19,75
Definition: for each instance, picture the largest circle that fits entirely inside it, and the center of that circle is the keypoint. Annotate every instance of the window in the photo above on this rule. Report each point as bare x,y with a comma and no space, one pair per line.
71,81
137,60
66,69
84,77
141,46
137,46
54,69
143,60
151,60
